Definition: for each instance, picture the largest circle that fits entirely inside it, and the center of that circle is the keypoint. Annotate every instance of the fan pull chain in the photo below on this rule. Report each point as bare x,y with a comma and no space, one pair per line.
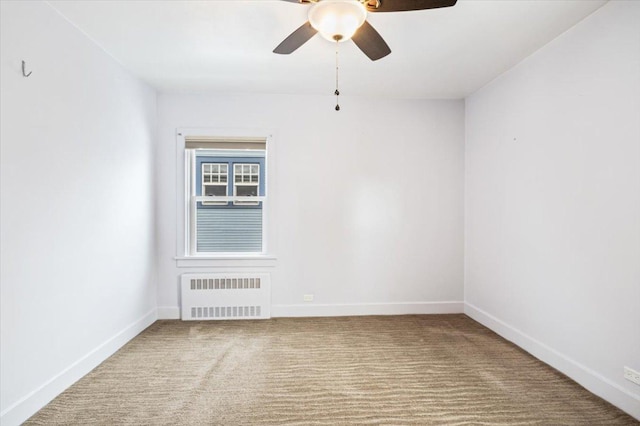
337,92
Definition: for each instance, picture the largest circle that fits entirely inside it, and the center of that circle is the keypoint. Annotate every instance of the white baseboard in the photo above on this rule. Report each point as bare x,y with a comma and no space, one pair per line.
34,401
589,379
168,312
340,310
335,310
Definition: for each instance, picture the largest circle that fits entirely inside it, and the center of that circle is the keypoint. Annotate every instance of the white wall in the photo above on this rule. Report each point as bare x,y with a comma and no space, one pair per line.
368,201
552,238
77,264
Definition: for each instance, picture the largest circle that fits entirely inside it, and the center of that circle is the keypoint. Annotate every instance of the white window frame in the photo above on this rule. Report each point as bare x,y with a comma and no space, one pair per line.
219,175
185,181
236,184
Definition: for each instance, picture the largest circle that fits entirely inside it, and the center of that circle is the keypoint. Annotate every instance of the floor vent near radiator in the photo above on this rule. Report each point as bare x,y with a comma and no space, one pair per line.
225,296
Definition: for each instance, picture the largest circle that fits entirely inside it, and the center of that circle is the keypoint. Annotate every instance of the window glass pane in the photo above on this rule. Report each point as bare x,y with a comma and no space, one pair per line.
247,191
222,226
216,190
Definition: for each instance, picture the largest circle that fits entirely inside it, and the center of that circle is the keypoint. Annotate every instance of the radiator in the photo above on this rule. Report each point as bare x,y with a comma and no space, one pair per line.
225,296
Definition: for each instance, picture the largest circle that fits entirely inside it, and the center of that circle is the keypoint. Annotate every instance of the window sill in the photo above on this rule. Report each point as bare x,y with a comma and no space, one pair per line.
242,261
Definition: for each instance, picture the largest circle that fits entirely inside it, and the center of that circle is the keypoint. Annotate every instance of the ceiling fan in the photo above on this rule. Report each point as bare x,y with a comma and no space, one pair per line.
341,20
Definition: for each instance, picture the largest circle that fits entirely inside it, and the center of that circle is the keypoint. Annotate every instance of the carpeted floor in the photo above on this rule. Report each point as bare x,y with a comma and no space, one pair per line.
417,369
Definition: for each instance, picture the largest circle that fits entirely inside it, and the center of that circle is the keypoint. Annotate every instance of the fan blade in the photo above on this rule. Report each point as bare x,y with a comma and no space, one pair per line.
370,42
403,5
296,39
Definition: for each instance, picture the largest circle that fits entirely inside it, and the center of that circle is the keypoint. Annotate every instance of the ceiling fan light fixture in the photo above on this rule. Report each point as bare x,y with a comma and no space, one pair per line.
337,20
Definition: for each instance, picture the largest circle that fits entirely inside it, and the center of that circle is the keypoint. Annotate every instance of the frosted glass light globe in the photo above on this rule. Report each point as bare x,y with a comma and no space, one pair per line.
337,20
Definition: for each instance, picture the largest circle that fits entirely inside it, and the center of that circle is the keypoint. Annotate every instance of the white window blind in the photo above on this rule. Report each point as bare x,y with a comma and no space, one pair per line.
209,142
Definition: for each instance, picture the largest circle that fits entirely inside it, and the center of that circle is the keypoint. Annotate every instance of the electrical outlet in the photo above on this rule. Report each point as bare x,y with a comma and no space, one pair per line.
632,375
308,297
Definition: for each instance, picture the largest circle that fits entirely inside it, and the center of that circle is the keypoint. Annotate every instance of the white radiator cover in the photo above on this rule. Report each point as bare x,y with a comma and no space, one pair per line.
225,296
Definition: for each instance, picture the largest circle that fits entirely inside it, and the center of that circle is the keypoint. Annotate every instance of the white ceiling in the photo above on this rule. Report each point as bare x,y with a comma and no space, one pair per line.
226,46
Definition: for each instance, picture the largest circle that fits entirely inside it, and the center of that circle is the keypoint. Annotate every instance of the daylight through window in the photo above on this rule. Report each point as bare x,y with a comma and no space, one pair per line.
227,195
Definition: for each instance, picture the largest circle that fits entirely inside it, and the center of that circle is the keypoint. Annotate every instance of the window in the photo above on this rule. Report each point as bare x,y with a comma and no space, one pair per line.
246,182
226,195
214,182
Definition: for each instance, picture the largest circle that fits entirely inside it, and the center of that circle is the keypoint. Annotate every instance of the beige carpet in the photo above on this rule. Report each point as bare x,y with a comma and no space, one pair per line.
422,369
